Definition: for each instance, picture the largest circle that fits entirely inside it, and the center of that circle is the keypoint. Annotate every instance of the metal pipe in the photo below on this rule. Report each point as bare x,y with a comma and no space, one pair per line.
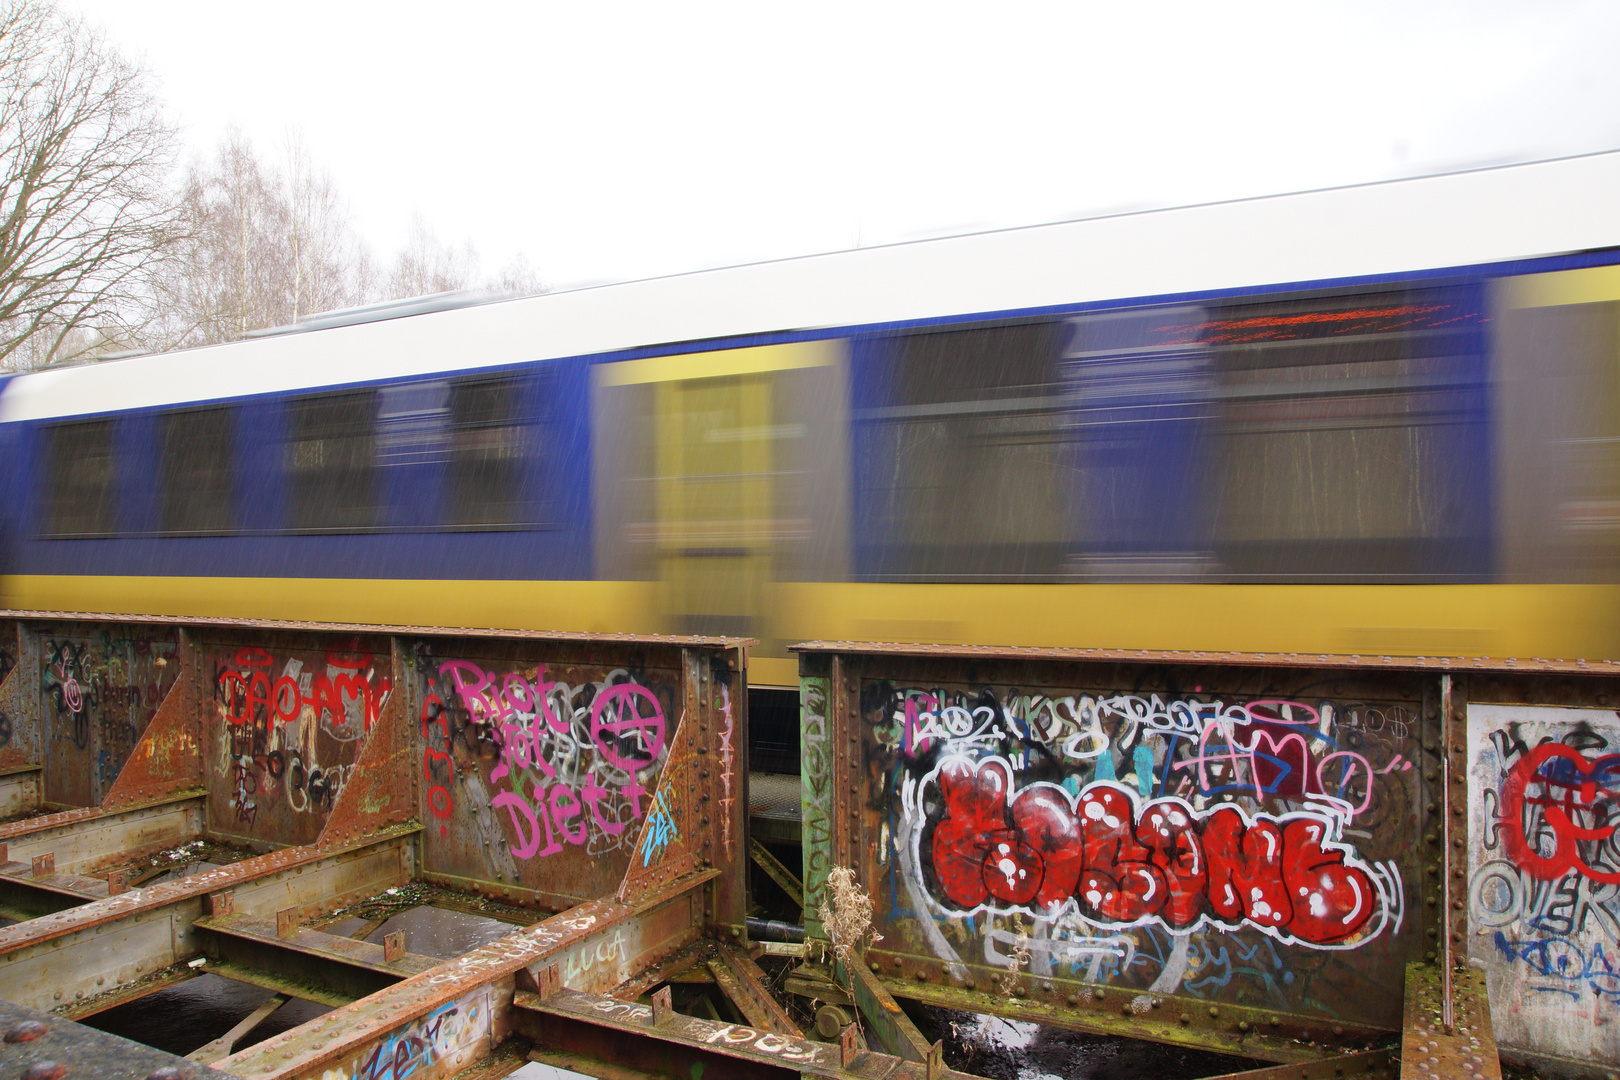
774,930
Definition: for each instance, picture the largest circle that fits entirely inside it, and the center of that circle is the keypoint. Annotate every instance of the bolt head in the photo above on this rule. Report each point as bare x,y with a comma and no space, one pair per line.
27,1031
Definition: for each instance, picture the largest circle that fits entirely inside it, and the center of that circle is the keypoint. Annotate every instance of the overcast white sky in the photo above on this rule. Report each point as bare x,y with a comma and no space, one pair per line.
618,140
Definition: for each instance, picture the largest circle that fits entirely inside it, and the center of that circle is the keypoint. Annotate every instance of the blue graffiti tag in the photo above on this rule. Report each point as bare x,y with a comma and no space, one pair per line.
661,831
1560,958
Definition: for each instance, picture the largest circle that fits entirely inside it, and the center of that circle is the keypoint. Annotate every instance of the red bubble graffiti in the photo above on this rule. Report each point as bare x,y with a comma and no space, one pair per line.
1126,865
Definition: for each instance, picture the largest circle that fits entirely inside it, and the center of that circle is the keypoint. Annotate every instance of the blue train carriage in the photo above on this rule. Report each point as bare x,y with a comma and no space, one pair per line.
1377,419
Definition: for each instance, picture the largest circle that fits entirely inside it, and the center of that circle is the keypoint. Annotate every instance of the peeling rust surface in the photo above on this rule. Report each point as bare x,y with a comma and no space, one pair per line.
99,687
1458,1047
348,1034
596,787
33,1038
42,822
747,987
167,760
1368,1065
762,1050
380,790
113,908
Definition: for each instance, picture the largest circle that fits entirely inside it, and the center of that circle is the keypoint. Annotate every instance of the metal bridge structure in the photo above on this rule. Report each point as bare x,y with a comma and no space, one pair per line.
1330,865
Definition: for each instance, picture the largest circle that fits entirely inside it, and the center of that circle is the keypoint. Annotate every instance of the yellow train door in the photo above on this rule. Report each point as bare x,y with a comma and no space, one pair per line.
715,502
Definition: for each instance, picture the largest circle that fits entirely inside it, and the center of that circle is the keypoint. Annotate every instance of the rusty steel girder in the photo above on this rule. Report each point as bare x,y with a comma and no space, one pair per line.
1236,853
1263,856
598,777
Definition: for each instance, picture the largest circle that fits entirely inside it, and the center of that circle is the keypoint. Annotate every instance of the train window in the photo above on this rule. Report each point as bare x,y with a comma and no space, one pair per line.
1351,437
196,470
963,458
1141,392
489,452
81,479
331,461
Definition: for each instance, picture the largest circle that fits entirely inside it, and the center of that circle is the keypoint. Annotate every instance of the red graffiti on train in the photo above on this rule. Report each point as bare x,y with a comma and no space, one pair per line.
1126,862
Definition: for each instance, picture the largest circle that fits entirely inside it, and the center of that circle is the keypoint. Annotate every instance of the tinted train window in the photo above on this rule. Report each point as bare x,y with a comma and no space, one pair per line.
197,470
489,452
331,461
1350,437
1141,392
963,457
81,479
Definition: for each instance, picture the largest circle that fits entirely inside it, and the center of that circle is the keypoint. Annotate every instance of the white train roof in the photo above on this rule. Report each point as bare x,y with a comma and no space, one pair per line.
1459,219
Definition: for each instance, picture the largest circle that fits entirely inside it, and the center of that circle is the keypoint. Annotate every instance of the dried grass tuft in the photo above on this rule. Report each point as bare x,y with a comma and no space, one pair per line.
847,915
1020,961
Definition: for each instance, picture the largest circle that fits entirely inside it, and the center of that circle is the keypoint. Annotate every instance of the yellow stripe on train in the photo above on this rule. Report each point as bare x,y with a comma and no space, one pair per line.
1553,621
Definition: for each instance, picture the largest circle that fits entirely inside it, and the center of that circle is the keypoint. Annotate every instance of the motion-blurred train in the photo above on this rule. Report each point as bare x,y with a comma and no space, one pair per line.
1373,420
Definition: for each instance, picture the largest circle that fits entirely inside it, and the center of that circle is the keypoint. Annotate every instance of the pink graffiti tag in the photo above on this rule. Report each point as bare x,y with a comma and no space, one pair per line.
627,732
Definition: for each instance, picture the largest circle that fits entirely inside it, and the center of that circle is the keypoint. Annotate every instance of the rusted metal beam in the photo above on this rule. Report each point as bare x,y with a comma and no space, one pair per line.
37,1044
1006,812
1461,1047
383,790
220,1048
1243,1031
21,737
777,872
20,789
816,778
29,890
455,1008
167,760
312,965
91,842
625,1033
134,990
748,987
77,954
894,1031
687,965
331,745
1369,1065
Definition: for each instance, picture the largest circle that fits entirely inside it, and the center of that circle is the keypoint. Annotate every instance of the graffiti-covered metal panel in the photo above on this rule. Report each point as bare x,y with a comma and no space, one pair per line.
100,686
815,805
538,771
286,727
8,647
1543,872
1242,838
19,698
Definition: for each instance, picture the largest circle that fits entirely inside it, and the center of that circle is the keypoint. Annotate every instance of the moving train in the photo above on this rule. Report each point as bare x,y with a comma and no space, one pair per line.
1381,419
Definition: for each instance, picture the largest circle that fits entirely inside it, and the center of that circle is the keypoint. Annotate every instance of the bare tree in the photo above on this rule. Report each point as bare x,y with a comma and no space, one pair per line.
518,278
85,159
262,247
427,265
330,267
230,278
